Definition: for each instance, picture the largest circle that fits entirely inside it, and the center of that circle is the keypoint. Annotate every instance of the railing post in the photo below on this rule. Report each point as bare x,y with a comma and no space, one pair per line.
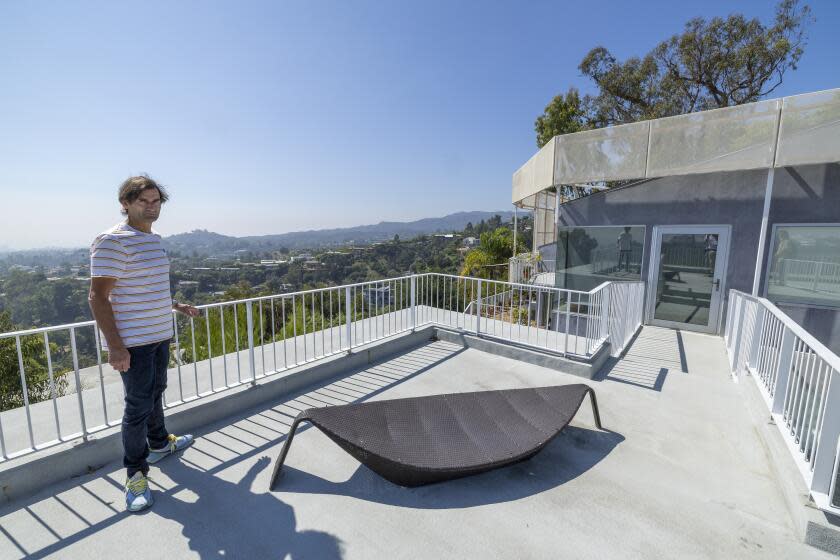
249,321
78,383
738,332
827,444
783,372
605,312
348,310
478,308
758,332
413,302
727,331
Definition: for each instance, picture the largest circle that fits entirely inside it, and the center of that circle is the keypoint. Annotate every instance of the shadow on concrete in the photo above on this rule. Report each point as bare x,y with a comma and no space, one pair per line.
229,520
617,370
646,361
220,519
573,452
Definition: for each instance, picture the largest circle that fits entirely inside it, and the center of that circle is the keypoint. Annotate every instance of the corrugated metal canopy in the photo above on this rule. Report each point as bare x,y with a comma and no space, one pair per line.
797,130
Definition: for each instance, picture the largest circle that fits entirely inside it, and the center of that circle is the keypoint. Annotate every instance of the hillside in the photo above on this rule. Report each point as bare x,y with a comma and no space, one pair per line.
206,242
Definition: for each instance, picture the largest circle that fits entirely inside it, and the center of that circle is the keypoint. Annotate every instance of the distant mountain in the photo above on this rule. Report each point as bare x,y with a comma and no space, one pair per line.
207,242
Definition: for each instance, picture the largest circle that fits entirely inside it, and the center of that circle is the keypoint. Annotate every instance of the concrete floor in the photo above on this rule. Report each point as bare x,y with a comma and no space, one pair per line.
681,473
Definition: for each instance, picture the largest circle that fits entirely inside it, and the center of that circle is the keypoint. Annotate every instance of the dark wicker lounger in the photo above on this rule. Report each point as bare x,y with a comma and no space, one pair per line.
421,440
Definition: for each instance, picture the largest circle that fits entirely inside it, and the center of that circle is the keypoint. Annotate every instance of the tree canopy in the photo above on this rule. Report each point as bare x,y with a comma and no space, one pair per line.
488,259
712,63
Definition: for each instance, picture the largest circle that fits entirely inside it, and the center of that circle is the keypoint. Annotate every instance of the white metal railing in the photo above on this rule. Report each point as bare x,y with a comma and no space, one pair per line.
65,393
626,316
798,377
813,276
525,267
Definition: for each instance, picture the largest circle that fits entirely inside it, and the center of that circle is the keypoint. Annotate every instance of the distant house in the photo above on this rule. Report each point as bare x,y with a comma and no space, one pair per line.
469,242
301,257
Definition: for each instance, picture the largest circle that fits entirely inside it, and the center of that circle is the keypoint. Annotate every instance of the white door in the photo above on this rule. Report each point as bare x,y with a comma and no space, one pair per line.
686,276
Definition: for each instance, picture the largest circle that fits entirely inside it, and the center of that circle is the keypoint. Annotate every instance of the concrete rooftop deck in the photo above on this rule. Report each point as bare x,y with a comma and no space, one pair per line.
680,474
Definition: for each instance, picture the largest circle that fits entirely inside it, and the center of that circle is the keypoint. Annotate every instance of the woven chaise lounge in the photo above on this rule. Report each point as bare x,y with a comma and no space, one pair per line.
421,440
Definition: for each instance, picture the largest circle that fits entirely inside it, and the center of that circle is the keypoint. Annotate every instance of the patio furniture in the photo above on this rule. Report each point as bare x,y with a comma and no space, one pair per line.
421,440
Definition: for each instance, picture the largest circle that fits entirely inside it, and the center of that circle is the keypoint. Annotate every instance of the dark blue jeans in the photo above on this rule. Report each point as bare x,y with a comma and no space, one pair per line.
142,425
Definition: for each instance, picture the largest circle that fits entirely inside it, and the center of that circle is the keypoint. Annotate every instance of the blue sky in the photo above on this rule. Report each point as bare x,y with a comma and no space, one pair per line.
267,117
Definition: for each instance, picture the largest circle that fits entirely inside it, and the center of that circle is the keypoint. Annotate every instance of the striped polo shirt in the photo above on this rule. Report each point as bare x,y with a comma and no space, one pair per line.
141,299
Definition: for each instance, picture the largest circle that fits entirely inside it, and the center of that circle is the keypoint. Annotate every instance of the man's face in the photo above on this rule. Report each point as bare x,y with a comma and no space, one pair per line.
146,208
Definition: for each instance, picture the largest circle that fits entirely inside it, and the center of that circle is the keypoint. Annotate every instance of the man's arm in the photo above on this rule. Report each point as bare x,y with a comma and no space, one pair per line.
100,306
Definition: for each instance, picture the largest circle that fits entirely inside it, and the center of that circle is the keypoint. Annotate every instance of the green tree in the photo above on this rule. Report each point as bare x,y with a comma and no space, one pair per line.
34,366
565,114
712,63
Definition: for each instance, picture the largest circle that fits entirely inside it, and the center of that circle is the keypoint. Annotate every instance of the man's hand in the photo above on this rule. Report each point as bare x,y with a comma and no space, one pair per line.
119,358
187,310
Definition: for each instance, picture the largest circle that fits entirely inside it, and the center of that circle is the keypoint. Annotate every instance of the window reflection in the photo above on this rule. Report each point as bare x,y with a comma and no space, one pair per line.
805,265
589,256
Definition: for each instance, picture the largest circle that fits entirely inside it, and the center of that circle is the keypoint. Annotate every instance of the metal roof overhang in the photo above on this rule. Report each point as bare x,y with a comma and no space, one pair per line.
796,130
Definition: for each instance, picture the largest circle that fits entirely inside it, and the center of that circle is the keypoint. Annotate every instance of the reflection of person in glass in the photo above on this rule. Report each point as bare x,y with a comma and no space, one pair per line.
710,251
784,250
625,248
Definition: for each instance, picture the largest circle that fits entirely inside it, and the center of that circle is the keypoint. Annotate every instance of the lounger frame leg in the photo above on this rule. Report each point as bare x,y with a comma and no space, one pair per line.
595,412
278,465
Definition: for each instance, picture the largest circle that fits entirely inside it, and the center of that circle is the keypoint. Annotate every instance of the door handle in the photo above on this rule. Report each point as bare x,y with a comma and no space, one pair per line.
717,285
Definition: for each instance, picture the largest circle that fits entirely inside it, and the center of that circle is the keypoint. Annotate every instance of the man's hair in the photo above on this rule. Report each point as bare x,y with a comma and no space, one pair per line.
132,187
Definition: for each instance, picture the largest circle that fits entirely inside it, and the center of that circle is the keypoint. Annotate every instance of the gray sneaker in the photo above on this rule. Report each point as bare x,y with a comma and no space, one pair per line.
176,443
138,495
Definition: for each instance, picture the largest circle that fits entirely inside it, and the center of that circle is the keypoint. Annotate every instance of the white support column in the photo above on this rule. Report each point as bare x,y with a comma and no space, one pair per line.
765,213
515,227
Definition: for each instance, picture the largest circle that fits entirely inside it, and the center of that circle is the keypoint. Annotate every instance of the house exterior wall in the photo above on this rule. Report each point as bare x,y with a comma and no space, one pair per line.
807,194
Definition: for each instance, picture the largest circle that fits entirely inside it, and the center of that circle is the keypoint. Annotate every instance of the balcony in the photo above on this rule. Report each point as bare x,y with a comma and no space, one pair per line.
682,468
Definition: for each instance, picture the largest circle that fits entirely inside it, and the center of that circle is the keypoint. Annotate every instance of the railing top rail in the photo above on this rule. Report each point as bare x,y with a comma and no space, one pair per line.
600,287
515,284
309,291
39,330
830,357
51,328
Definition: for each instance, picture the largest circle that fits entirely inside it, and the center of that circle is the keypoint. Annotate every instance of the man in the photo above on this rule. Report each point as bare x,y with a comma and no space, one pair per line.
130,300
784,251
710,252
625,248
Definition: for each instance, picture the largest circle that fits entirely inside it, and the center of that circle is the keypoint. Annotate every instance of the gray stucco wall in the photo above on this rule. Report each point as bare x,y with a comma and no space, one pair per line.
809,194
734,199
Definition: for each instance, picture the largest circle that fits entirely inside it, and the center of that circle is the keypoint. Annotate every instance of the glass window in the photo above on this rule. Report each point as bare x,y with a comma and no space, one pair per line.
805,265
590,256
